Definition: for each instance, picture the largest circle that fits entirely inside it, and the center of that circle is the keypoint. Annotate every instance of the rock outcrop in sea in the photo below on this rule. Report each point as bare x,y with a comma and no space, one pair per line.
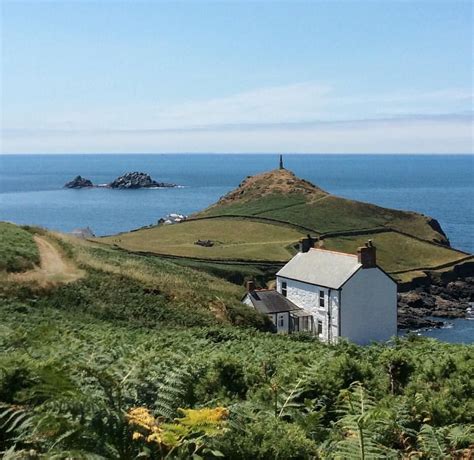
130,180
133,180
79,182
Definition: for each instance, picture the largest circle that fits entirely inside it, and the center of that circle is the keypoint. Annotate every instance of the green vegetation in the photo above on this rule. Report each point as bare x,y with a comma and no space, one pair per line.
397,252
68,382
232,238
140,357
18,250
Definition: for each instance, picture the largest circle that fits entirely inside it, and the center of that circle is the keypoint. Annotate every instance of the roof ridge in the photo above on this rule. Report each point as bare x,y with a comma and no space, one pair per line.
334,252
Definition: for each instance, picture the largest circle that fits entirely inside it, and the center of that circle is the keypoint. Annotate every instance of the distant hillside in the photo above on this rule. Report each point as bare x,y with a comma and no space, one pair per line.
255,229
282,196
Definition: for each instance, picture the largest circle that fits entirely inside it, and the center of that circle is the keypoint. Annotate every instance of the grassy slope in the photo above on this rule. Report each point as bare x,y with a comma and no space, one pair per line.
234,239
18,250
144,291
299,203
396,252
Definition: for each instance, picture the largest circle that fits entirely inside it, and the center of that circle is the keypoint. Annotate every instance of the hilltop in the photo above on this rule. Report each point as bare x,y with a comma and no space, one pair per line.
281,195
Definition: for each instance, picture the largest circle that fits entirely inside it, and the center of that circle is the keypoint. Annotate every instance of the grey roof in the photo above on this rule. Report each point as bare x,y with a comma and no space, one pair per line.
321,267
270,301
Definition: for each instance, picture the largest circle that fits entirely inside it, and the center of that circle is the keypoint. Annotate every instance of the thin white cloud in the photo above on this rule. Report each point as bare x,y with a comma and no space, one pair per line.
302,117
415,135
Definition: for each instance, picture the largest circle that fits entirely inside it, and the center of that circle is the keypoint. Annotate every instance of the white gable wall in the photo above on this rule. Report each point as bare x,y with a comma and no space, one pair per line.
306,296
369,307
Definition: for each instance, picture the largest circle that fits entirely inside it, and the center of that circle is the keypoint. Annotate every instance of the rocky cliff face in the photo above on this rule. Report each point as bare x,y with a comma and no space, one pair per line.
134,180
79,182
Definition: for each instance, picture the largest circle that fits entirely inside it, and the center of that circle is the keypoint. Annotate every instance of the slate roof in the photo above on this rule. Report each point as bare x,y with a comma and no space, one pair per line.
270,301
321,267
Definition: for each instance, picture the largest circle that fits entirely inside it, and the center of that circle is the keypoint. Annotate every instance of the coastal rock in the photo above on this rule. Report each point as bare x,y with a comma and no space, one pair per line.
417,308
134,180
79,182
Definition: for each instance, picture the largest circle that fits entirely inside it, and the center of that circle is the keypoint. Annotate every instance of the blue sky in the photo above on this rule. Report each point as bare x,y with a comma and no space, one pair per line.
249,76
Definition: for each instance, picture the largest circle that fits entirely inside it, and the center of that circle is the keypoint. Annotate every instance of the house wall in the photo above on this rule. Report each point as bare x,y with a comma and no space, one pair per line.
369,307
285,328
247,301
306,296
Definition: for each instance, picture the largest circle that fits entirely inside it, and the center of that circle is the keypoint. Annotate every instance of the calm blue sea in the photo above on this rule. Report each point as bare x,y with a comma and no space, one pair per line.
31,187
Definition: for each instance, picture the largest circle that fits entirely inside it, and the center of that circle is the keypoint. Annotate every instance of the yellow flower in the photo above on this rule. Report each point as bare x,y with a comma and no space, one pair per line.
136,435
141,416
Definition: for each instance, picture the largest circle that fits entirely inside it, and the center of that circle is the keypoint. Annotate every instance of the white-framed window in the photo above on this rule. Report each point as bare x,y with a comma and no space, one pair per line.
283,288
321,299
281,321
320,327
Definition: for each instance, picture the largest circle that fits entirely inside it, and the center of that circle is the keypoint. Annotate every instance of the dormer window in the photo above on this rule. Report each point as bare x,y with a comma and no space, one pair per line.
283,288
321,299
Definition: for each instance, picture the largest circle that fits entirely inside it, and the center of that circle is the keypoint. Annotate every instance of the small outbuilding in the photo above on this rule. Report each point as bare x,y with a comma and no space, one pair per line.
285,315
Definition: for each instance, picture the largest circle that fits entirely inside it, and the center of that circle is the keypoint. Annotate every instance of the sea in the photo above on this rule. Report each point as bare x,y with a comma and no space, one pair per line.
32,192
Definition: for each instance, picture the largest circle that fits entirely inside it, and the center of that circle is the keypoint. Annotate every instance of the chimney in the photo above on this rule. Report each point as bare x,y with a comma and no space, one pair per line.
307,243
367,255
250,286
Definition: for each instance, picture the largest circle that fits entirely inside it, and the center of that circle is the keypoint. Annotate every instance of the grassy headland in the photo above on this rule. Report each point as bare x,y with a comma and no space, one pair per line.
263,219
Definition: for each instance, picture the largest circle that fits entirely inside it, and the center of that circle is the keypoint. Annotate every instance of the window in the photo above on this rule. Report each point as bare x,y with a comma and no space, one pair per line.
283,288
305,323
281,321
320,327
321,299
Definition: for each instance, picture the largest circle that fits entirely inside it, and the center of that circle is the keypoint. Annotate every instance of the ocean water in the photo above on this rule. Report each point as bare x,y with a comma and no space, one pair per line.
31,186
31,189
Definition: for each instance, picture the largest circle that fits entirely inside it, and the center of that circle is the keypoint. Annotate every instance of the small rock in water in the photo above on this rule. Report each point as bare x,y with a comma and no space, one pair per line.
79,182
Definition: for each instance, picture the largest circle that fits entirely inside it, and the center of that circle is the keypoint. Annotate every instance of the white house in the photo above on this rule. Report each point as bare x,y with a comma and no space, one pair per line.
346,295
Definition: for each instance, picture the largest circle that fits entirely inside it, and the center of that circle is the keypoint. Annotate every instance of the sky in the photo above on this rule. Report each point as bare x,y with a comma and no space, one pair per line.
241,77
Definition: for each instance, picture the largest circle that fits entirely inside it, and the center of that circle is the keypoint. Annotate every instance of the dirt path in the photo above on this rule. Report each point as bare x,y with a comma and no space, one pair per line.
54,267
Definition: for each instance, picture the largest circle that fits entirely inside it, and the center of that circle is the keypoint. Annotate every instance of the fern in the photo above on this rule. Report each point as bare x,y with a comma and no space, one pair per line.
432,444
358,422
171,392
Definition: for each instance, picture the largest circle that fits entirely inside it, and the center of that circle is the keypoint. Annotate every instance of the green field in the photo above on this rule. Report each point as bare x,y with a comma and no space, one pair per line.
397,252
18,250
243,239
238,239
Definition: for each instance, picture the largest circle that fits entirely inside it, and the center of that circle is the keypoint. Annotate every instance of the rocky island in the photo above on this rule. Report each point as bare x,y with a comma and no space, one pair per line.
130,180
133,180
